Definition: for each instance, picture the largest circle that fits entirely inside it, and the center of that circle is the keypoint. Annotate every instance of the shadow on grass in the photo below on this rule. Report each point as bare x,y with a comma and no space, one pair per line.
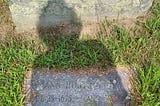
69,52
65,50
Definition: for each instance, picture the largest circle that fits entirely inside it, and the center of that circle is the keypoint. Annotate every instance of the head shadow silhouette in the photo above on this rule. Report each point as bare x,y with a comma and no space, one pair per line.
66,51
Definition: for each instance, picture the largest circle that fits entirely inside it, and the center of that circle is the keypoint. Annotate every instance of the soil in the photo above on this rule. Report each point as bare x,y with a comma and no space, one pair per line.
6,25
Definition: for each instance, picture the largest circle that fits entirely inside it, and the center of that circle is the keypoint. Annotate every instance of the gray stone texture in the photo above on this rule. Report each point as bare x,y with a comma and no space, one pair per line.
66,89
28,14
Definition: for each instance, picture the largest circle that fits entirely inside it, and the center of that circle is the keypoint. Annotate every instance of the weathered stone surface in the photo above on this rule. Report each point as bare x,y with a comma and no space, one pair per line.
64,89
28,14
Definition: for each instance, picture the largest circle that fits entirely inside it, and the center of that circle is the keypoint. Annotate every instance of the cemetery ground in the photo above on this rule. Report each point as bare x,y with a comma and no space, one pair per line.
138,47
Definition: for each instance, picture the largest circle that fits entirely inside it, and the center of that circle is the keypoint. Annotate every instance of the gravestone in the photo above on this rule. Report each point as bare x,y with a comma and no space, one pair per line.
45,88
28,14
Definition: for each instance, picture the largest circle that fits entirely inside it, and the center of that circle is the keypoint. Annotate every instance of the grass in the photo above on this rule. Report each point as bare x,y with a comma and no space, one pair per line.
13,65
69,52
141,50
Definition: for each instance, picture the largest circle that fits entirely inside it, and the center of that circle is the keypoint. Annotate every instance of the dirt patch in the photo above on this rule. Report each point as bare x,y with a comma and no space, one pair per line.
6,25
85,31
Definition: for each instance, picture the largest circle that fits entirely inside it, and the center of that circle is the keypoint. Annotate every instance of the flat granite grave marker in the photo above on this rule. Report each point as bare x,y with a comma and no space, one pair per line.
28,14
46,88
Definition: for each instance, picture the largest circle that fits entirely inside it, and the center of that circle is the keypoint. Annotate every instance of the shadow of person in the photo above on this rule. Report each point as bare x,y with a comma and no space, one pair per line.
67,52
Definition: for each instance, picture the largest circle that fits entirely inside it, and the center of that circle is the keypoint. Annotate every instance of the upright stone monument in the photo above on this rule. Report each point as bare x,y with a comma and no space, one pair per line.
28,14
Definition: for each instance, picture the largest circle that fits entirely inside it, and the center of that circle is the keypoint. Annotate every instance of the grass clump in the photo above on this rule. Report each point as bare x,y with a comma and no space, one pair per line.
149,74
69,52
13,66
141,51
